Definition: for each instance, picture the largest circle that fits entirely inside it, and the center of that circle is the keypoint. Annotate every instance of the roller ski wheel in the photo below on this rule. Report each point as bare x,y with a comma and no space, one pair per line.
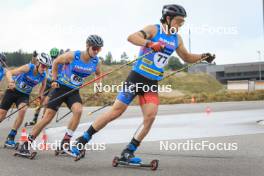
153,165
59,151
26,155
14,146
115,161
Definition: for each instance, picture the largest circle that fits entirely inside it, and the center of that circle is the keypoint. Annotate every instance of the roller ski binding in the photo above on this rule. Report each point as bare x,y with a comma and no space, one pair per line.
128,159
25,152
78,150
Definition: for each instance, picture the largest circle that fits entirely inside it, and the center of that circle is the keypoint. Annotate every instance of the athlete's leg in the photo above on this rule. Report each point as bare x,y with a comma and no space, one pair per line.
52,108
77,113
149,106
46,100
149,112
119,106
47,117
3,113
7,101
37,111
76,109
116,111
20,117
37,128
21,103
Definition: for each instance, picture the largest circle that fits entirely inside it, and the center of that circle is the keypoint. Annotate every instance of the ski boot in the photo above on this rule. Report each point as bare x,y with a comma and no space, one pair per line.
78,150
24,151
10,143
31,123
63,148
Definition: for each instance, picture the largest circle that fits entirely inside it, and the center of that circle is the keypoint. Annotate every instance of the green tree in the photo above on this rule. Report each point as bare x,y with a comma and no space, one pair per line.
124,58
108,58
17,58
174,63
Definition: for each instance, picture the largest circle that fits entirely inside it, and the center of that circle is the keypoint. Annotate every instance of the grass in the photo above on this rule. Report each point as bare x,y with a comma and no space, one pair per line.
184,86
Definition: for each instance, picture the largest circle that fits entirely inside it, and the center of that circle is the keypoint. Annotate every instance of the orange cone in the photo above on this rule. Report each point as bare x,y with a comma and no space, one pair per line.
44,141
193,99
23,137
208,110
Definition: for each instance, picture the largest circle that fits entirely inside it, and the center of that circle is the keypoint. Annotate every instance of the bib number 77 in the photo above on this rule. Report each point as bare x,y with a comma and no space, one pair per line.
161,59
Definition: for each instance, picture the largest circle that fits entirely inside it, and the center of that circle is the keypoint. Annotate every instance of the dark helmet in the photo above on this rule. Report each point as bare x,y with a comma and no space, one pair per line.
2,59
95,40
172,10
62,52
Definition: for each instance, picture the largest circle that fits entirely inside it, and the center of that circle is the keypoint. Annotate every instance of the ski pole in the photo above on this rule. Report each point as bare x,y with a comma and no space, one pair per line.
59,119
4,63
108,104
187,66
190,65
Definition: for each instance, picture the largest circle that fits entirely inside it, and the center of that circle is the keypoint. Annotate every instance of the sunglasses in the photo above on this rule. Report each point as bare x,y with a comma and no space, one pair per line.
94,48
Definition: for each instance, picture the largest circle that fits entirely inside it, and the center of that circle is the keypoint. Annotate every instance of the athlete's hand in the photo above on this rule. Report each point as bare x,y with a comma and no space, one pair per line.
55,85
11,84
209,57
155,46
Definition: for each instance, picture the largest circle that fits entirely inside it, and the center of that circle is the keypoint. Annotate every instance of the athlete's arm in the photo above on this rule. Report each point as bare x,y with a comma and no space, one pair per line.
98,73
65,58
184,54
141,37
16,71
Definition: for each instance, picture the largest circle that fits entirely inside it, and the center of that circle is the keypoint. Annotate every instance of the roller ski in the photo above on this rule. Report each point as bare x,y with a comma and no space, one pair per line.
24,151
128,159
11,144
65,150
78,150
73,152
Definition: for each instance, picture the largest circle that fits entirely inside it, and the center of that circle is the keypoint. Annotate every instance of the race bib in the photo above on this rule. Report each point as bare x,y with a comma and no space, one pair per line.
161,59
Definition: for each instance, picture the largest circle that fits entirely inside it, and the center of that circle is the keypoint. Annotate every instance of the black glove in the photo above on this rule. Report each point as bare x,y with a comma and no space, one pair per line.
209,57
35,54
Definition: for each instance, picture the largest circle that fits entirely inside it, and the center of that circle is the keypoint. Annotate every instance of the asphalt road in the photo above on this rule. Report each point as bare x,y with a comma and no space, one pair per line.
237,126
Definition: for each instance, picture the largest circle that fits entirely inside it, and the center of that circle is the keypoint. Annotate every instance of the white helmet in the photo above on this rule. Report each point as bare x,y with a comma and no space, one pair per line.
44,59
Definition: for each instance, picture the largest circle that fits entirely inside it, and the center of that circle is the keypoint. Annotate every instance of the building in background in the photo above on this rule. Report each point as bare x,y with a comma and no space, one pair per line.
241,76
